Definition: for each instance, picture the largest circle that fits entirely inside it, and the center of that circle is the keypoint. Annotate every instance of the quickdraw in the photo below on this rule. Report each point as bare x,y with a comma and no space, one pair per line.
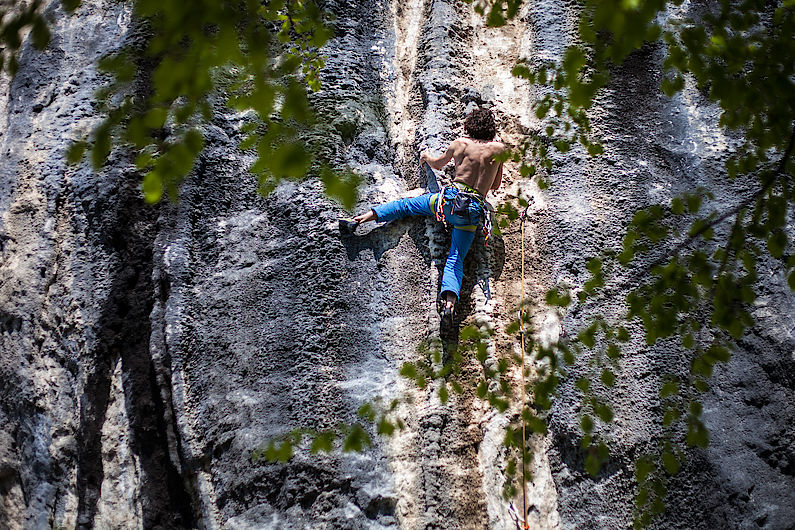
520,523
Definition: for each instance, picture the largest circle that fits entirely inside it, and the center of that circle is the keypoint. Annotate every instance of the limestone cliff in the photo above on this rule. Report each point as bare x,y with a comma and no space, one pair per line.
146,351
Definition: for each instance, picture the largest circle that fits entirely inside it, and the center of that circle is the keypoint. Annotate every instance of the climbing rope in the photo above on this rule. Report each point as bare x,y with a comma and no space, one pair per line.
522,521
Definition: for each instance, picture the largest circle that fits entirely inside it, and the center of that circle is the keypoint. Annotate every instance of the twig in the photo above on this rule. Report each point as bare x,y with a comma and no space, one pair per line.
717,220
734,211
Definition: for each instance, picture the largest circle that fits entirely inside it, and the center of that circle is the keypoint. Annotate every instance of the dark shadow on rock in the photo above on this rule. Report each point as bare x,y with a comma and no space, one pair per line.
378,239
126,231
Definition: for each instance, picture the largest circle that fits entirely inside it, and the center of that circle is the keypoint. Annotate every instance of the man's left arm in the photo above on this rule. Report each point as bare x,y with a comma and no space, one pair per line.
440,162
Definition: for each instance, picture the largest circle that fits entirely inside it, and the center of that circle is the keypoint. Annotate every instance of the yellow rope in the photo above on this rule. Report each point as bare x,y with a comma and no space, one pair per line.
521,412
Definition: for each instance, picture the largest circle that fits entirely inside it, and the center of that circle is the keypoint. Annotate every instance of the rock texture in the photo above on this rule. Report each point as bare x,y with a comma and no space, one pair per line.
147,351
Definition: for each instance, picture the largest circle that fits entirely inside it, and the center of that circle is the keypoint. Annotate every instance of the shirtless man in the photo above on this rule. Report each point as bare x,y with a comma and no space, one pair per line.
463,202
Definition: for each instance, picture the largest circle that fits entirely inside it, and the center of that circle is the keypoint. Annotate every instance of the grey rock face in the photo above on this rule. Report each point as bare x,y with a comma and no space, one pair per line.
147,351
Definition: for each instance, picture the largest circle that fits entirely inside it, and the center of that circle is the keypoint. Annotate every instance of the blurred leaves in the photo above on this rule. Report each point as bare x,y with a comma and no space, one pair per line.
16,19
260,57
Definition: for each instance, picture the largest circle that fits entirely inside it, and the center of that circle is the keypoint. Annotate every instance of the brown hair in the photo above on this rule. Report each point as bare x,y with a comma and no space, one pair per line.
479,124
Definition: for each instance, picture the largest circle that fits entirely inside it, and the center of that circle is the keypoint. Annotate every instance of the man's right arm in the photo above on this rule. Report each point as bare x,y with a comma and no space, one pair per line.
497,178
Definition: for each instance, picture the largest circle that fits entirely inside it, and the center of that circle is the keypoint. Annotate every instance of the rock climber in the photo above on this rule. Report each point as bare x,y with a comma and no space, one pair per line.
461,204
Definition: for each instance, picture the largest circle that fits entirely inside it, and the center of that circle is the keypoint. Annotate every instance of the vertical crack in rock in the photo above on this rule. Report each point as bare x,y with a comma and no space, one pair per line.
76,282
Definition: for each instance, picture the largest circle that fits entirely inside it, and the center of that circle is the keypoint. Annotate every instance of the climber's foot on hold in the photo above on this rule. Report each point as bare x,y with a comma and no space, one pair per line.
448,312
348,226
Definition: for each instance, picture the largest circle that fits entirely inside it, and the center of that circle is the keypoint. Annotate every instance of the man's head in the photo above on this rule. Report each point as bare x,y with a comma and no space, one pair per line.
479,124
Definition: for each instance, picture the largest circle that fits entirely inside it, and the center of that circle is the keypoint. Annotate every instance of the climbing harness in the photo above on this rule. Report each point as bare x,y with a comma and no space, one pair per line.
521,522
467,194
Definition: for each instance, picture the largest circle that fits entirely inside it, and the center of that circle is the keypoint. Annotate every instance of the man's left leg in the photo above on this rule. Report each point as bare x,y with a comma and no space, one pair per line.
454,267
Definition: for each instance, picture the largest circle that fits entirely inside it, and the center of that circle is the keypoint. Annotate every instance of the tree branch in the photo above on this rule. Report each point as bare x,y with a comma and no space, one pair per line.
714,222
734,211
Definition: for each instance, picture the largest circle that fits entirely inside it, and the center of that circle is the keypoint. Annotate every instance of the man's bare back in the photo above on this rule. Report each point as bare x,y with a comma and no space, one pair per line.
475,163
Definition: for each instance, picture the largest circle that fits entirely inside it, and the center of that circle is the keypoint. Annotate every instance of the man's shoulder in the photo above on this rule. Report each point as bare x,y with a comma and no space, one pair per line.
495,144
497,147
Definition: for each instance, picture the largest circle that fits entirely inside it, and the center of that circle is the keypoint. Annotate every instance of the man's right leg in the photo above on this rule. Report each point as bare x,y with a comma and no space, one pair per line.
453,274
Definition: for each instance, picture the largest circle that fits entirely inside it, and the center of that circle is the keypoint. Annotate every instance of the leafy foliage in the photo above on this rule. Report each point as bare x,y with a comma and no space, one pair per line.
348,437
258,57
692,265
686,282
17,18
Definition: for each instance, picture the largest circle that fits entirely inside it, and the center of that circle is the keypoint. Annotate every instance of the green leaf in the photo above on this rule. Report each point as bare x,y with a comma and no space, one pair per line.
408,370
718,353
152,187
495,18
356,440
385,427
776,243
323,442
70,5
604,412
586,422
697,435
557,298
342,187
672,86
594,265
512,328
366,411
643,468
693,203
284,452
101,149
296,105
443,395
527,170
595,149
537,425
75,152
671,416
40,33
670,463
608,378
592,465
522,71
670,388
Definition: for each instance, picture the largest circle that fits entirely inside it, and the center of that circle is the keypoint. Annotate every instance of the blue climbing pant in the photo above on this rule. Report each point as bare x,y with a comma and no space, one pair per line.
463,229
